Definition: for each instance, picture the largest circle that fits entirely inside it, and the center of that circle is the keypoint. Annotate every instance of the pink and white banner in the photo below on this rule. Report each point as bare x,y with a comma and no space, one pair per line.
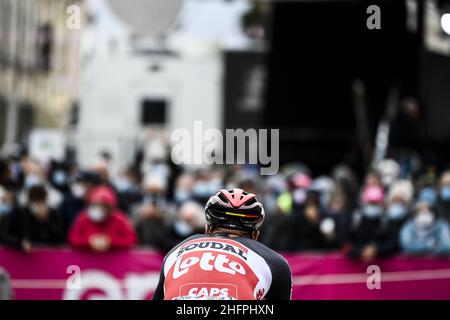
66,274
332,276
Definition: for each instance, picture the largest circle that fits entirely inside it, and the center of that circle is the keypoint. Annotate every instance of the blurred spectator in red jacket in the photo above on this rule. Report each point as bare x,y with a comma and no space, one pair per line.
102,227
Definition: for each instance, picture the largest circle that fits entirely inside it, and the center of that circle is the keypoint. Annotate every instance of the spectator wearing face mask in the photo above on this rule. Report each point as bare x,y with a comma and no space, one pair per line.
275,233
76,200
155,190
337,220
444,196
326,186
305,225
154,200
102,227
102,167
11,226
128,193
346,179
366,228
389,171
397,212
152,230
190,220
425,233
373,178
206,183
35,175
428,194
58,176
294,198
274,186
42,225
183,189
399,200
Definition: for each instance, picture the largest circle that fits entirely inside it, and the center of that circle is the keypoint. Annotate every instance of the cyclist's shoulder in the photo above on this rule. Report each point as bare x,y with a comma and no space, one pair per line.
270,255
175,248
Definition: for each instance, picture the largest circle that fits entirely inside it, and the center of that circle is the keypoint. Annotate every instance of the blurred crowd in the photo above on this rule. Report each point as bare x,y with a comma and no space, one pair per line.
390,211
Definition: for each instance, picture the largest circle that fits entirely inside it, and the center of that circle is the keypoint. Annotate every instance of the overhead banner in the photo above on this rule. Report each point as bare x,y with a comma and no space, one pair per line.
65,274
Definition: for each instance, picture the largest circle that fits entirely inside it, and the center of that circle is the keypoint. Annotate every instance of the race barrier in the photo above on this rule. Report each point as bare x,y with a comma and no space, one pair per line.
61,273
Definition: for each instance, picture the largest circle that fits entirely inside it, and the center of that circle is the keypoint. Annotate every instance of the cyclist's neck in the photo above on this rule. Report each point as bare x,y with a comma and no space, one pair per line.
229,234
226,234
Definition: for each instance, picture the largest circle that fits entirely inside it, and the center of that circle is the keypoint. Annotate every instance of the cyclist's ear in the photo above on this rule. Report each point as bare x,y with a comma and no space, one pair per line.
255,235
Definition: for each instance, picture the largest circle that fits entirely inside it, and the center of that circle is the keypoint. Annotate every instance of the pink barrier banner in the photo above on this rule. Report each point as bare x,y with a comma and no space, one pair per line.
333,276
66,274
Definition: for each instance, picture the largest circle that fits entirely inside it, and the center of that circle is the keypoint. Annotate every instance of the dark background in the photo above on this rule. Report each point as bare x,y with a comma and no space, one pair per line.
317,49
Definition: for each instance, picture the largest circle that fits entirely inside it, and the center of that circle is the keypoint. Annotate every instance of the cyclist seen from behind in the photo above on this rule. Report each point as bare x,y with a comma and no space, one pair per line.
227,262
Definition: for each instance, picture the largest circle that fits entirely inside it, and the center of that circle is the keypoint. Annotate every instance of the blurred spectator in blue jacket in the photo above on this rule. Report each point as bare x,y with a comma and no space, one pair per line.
425,233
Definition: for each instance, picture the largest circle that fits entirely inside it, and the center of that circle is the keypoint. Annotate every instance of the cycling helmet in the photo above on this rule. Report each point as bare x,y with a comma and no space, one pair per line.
235,209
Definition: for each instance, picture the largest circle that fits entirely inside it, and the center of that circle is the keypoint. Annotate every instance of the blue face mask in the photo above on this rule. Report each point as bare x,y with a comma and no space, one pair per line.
5,209
60,178
32,180
201,190
445,193
183,229
396,211
123,185
428,195
372,211
181,195
156,199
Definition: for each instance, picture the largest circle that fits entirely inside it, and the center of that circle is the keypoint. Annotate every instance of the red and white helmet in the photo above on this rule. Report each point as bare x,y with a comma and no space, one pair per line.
235,209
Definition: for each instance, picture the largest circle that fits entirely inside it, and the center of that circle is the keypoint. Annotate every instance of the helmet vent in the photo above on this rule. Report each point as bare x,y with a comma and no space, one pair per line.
222,197
251,201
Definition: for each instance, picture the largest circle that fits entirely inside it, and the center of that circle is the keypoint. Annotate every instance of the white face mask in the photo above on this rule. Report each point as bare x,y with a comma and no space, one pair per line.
424,219
54,198
78,191
96,214
182,228
327,226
